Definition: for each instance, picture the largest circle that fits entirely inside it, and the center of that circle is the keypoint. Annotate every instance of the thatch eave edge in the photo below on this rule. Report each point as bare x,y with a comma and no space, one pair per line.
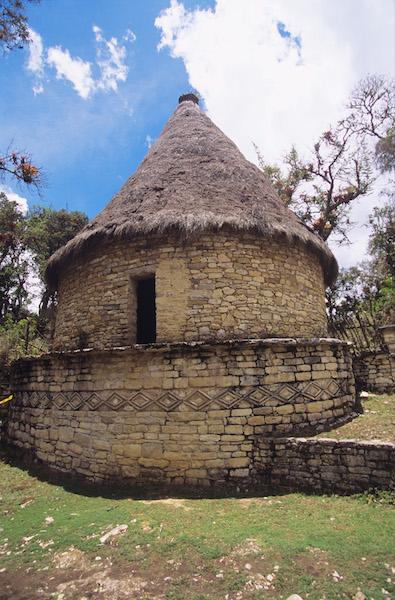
87,240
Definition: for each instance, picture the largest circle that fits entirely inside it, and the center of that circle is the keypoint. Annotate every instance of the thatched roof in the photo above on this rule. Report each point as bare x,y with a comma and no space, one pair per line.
193,179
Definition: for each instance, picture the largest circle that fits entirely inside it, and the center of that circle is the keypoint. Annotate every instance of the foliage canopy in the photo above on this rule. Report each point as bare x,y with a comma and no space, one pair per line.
14,31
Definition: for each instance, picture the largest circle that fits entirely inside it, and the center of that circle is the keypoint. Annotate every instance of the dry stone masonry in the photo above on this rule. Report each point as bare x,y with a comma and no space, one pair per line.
325,465
190,413
375,371
225,286
191,327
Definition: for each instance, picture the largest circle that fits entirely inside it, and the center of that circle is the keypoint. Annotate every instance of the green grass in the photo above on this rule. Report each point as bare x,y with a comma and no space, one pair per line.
193,547
172,544
376,423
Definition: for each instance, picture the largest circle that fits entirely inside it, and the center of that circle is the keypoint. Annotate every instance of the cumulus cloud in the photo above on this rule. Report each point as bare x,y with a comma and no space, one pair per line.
277,72
110,59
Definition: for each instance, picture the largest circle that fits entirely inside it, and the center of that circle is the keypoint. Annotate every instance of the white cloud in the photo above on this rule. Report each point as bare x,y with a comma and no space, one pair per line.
149,141
110,57
74,69
261,86
129,36
36,61
277,72
38,88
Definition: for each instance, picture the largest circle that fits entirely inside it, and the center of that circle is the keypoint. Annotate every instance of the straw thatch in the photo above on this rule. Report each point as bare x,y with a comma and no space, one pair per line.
193,179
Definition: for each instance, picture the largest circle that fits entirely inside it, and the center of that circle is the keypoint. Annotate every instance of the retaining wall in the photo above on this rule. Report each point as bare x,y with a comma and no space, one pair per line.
375,371
325,465
183,413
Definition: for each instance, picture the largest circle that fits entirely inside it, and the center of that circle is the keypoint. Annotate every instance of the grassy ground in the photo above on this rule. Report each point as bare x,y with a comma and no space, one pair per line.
62,542
376,423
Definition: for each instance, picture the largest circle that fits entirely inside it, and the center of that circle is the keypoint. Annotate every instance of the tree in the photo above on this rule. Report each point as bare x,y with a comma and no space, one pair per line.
14,31
371,113
26,243
382,238
370,286
323,188
13,261
18,166
47,230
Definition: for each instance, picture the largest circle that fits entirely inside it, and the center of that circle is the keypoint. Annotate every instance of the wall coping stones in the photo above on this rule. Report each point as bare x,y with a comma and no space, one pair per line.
165,346
331,442
183,412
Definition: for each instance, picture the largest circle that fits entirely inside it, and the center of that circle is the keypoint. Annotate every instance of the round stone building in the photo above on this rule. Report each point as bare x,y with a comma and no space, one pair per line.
190,324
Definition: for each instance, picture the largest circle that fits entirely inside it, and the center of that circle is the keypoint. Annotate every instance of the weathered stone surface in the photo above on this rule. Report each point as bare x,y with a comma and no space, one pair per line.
376,371
256,295
207,433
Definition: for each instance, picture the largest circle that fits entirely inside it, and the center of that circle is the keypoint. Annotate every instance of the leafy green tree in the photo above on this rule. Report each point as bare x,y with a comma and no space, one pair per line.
370,286
26,243
382,250
18,339
382,238
14,263
47,230
14,30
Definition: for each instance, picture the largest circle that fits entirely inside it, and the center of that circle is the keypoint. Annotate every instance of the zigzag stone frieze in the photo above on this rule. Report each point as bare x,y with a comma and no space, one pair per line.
257,396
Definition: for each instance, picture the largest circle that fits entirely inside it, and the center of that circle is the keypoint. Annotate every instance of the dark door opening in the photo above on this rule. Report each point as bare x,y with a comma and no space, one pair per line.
146,311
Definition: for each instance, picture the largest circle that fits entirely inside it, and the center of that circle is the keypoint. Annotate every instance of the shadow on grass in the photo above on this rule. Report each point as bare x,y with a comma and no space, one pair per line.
161,490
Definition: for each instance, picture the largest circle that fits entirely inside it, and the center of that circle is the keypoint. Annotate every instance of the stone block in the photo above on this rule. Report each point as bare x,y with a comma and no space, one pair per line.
256,420
240,473
153,462
315,407
232,438
196,473
238,463
98,444
273,420
285,409
82,439
75,449
152,450
238,429
241,412
132,471
132,450
118,449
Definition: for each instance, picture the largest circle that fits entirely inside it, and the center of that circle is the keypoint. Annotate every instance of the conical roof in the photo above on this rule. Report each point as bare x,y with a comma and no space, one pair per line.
193,178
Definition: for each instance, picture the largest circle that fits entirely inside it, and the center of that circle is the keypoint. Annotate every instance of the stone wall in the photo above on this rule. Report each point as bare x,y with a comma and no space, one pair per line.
4,392
325,465
183,413
208,287
375,371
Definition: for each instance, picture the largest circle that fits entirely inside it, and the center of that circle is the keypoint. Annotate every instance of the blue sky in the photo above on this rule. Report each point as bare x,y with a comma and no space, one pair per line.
102,78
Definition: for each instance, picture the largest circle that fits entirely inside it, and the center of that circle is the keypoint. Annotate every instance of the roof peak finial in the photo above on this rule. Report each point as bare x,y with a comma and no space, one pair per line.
191,96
